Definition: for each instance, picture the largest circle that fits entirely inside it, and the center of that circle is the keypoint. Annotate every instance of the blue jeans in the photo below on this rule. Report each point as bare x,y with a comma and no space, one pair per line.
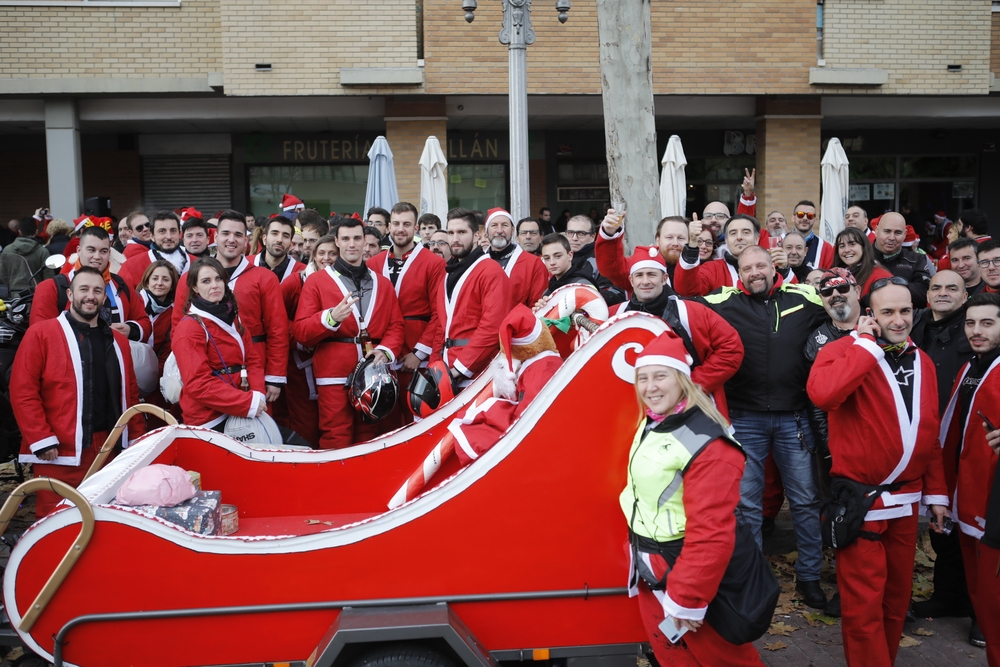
788,437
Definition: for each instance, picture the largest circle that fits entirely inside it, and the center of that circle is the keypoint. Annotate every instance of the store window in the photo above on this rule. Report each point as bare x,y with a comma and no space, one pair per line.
478,187
716,179
326,188
917,186
583,188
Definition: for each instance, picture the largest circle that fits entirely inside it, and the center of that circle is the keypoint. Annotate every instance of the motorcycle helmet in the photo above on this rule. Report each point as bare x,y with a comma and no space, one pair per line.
429,389
373,390
261,429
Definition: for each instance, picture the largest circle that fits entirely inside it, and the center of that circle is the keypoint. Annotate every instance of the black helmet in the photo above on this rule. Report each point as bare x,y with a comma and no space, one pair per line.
429,389
373,389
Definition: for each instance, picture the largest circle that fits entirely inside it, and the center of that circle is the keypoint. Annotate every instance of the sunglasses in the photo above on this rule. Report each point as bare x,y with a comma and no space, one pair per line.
139,228
802,214
839,289
885,282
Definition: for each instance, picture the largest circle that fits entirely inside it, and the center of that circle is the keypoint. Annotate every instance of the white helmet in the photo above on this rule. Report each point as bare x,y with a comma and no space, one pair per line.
260,430
146,365
170,383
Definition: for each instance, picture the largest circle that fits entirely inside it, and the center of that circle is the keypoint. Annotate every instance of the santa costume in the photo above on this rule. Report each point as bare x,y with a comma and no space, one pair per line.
528,362
882,406
716,345
291,205
474,299
684,462
51,399
970,467
338,346
528,276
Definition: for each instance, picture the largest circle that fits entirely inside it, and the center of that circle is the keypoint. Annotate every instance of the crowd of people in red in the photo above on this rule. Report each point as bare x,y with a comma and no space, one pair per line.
855,376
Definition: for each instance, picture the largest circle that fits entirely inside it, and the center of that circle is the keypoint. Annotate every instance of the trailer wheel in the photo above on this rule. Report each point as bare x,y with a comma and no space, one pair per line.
30,660
403,655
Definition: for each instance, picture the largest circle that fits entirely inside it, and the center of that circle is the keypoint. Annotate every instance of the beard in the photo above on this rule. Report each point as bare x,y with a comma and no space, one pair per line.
840,311
673,256
499,242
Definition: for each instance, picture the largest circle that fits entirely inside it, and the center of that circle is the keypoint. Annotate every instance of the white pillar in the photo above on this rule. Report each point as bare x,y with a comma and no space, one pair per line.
62,151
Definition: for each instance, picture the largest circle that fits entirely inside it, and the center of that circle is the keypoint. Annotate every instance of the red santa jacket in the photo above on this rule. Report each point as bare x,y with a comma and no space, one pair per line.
162,321
203,351
970,481
528,278
704,278
133,249
290,280
262,313
872,438
472,316
825,252
136,265
720,350
610,250
125,304
337,352
48,398
483,425
417,290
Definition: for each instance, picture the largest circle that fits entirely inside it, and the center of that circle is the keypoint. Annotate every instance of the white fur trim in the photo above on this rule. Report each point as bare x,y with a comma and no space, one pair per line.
647,264
677,611
536,331
497,214
663,360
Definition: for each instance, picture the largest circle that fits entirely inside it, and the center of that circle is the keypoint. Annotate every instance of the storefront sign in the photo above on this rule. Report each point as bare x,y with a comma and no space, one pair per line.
861,192
884,191
477,146
308,148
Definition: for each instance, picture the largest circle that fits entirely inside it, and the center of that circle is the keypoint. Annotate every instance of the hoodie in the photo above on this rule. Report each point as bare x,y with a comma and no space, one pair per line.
19,261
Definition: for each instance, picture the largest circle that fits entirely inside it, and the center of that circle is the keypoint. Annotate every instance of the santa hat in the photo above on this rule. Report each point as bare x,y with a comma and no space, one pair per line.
911,237
81,222
646,257
668,350
495,213
520,327
941,214
290,202
189,212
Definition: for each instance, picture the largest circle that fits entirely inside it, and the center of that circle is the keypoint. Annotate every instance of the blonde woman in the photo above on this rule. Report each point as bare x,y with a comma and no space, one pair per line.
684,474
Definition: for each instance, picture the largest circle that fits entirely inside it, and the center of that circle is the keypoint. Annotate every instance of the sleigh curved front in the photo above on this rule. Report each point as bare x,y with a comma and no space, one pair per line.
538,512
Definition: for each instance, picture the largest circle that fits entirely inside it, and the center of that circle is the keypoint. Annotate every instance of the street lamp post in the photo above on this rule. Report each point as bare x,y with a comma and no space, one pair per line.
517,35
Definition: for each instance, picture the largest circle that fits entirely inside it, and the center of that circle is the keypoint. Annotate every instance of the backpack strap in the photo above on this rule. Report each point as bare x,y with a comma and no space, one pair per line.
62,284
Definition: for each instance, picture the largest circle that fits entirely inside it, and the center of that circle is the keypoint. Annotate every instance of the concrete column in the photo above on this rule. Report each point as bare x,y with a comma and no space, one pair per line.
408,123
788,154
62,150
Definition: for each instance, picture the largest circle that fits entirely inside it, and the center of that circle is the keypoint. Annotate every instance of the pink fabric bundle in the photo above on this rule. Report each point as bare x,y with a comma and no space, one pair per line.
161,485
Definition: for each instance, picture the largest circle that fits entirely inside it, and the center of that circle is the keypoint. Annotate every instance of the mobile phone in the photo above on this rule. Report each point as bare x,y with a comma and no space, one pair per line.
670,631
986,421
869,313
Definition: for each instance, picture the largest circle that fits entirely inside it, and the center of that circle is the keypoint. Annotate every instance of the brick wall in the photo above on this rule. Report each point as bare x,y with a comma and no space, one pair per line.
788,155
995,43
406,139
914,40
308,41
127,42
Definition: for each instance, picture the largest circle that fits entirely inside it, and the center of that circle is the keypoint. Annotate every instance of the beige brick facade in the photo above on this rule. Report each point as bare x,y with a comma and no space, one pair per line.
914,41
127,42
995,43
788,155
407,138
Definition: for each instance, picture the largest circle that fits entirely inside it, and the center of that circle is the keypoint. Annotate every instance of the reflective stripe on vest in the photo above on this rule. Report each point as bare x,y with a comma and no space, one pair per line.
653,499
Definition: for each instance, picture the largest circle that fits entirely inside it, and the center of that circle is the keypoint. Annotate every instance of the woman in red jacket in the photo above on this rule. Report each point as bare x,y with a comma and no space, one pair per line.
156,289
855,253
222,373
684,475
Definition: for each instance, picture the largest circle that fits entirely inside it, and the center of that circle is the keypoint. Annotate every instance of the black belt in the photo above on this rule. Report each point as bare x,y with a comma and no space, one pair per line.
259,339
419,318
355,341
455,342
228,370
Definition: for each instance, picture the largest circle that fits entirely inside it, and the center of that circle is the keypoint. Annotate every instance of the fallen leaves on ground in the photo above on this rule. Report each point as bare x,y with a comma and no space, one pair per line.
907,642
814,618
781,628
776,646
922,586
920,557
923,632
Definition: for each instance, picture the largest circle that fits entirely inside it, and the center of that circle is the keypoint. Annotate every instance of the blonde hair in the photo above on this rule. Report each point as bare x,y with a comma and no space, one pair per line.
58,226
695,395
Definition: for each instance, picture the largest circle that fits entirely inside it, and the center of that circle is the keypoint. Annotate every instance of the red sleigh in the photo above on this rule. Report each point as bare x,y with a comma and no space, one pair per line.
521,550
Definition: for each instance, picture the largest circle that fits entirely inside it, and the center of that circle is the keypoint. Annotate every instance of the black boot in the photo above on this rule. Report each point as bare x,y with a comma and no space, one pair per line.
832,607
951,595
812,594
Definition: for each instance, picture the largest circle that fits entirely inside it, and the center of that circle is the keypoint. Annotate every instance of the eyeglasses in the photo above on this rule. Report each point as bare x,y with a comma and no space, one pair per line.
440,244
574,234
987,263
529,232
705,243
716,216
802,214
843,288
141,227
885,282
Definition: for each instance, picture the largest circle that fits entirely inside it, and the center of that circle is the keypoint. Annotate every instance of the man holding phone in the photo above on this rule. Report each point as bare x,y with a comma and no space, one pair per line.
970,456
880,397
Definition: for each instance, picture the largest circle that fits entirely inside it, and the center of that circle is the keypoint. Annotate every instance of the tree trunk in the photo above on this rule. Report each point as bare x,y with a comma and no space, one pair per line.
626,38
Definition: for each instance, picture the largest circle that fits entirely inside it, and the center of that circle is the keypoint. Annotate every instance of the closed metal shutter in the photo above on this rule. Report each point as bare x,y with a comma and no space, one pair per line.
173,181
